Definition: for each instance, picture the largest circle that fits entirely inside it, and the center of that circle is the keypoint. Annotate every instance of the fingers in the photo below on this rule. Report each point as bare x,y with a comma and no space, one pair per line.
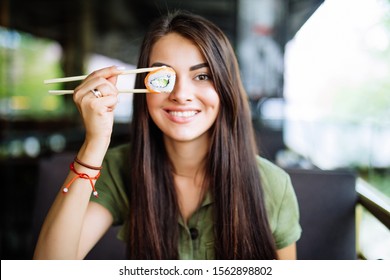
109,73
103,81
106,76
103,86
97,109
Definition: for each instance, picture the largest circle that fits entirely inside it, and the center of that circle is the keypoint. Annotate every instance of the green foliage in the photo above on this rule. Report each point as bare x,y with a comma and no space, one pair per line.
25,61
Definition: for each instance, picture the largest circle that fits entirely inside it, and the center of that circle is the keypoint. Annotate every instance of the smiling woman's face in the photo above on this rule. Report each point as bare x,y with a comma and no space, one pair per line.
188,112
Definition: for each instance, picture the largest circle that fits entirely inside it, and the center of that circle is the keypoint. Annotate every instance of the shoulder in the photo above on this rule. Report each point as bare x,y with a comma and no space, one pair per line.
276,185
117,158
117,152
272,176
280,202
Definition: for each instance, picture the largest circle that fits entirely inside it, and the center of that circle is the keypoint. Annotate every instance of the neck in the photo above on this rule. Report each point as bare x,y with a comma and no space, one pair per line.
187,157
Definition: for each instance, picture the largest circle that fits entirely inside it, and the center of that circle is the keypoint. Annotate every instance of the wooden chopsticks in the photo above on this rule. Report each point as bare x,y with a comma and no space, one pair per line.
82,77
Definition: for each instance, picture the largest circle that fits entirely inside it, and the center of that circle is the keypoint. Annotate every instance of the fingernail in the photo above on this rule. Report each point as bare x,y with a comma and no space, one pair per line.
121,68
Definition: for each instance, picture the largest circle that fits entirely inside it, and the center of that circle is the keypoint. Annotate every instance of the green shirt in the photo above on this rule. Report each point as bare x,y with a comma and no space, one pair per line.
280,200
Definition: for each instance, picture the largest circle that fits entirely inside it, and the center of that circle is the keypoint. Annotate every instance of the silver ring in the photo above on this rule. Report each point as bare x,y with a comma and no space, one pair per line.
96,93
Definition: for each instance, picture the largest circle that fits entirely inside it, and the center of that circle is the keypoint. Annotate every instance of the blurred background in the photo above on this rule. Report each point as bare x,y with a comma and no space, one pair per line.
317,75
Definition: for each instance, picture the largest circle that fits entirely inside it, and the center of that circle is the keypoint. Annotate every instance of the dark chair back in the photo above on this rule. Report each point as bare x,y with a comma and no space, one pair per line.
327,201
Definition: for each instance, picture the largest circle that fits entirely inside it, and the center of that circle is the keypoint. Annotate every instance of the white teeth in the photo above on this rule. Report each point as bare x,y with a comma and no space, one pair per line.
182,114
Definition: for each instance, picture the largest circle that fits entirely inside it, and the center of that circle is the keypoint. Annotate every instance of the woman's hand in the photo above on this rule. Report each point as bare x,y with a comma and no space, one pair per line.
98,113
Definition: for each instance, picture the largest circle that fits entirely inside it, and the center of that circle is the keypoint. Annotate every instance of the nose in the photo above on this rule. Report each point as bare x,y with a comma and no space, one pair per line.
182,91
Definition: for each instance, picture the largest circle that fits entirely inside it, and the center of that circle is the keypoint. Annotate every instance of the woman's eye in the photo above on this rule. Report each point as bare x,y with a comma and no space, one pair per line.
202,77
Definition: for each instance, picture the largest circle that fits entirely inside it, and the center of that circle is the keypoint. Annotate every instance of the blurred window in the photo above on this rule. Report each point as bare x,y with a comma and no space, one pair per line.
25,61
337,87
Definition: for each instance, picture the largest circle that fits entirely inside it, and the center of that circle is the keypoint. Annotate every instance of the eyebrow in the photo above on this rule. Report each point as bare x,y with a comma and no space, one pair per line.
192,68
198,66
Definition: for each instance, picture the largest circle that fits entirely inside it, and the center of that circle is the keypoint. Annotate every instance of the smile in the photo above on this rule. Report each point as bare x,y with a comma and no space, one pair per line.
183,114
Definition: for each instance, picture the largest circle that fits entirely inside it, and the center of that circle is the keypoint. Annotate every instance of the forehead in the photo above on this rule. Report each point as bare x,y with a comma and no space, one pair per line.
175,49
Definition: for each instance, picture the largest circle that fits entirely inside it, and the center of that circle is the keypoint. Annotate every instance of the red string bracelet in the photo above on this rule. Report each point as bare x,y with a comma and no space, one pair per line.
87,165
83,176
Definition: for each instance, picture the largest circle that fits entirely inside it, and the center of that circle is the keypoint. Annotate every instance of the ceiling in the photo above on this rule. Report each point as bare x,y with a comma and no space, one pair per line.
115,27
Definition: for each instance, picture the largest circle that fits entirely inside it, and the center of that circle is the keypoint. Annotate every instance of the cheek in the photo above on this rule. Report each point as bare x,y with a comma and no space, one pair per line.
212,100
152,102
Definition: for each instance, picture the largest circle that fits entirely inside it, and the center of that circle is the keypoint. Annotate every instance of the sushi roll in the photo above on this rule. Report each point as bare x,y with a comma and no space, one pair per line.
161,80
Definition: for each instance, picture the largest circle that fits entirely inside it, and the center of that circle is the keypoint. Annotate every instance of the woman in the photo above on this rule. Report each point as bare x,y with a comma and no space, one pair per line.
189,185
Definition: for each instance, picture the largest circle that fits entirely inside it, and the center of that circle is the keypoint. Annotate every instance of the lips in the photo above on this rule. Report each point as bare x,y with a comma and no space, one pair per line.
183,114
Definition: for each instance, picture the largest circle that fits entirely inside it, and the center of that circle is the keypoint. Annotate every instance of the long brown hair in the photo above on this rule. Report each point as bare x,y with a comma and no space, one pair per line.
241,228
